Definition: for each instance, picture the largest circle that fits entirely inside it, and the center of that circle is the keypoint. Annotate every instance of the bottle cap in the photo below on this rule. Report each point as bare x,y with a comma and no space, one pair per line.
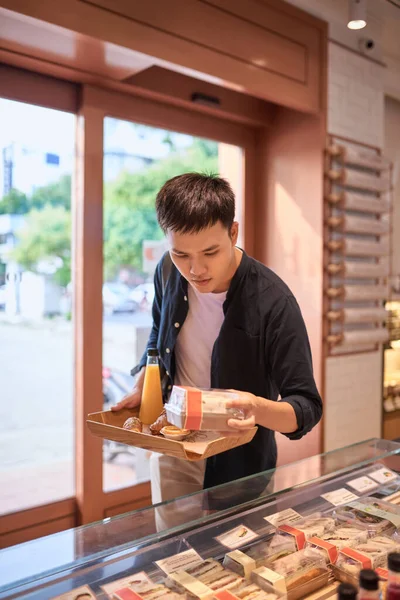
394,562
369,580
346,591
152,352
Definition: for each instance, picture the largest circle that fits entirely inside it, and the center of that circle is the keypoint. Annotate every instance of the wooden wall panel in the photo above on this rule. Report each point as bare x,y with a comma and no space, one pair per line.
29,524
216,43
88,308
20,536
289,231
34,88
220,30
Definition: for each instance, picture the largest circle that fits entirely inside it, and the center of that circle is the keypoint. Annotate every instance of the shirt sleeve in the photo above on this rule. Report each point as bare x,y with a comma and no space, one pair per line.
289,356
156,314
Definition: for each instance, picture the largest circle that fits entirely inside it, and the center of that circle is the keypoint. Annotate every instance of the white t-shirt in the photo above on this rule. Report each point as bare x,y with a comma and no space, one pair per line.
196,339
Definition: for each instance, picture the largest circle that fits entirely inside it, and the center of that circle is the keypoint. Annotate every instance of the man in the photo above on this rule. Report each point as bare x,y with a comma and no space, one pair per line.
225,320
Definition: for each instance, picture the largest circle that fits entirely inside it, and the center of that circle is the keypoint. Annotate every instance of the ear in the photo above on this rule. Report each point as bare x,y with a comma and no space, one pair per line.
234,232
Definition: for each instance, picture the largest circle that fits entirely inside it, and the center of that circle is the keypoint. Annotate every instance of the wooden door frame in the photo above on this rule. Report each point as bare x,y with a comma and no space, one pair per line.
97,104
92,105
41,90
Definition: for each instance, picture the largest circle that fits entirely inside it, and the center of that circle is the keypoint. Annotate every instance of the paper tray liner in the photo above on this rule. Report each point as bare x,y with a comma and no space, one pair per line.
108,425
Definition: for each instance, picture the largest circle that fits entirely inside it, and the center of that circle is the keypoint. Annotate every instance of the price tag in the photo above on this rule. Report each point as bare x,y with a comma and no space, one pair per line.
237,537
362,484
284,517
183,560
340,496
383,475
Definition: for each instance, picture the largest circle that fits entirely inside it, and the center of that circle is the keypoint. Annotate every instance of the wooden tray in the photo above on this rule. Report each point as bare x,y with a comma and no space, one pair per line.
202,444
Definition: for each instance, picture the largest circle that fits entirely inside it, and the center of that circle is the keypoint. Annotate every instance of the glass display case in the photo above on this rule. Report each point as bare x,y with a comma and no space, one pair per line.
172,536
391,373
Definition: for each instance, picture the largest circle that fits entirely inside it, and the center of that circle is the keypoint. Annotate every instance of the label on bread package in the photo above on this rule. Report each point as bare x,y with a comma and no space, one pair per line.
242,559
384,475
340,496
196,404
272,578
183,560
365,561
194,408
383,573
330,549
299,536
285,516
370,509
136,579
225,595
127,594
192,585
84,592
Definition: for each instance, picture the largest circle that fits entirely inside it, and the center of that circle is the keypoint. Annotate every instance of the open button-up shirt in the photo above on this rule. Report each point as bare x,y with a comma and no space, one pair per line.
262,348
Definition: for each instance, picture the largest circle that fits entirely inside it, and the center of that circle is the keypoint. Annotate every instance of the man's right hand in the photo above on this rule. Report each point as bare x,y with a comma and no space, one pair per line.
133,399
129,401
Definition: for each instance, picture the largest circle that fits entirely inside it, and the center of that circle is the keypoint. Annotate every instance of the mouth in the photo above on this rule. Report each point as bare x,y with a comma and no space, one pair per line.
200,282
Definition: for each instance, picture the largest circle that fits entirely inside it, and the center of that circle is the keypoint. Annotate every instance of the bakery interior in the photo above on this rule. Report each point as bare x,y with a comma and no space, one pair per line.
297,104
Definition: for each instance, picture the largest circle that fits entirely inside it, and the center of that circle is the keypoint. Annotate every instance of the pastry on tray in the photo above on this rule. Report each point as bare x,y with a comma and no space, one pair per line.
159,423
171,432
133,424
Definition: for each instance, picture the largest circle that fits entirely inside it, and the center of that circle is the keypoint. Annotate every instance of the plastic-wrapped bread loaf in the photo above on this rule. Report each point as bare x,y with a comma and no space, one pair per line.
251,591
261,554
329,544
296,571
147,591
377,516
370,555
196,409
206,578
315,525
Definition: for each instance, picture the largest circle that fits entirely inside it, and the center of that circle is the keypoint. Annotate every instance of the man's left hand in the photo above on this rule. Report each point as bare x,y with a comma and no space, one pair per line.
277,416
251,406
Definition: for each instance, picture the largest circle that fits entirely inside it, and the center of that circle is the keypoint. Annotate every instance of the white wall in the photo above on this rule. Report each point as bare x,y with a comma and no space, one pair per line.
353,384
392,151
356,110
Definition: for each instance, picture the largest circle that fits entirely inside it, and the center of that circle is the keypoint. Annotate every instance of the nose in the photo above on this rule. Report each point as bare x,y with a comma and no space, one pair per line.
197,269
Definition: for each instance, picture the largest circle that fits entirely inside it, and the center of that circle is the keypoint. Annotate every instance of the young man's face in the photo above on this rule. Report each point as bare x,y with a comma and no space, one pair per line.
207,259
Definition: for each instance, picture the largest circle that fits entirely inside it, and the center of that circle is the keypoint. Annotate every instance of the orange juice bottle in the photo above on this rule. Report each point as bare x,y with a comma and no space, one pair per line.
152,404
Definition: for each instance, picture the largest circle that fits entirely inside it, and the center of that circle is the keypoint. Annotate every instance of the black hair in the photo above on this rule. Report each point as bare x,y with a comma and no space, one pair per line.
192,202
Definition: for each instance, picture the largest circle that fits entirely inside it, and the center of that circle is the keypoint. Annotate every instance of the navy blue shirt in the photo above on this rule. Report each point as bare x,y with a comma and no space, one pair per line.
262,348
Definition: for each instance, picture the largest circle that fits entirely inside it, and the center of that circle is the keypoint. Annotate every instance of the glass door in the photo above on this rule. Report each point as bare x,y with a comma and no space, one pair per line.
36,351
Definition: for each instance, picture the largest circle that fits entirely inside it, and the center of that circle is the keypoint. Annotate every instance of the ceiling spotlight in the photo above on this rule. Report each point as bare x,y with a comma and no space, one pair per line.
357,14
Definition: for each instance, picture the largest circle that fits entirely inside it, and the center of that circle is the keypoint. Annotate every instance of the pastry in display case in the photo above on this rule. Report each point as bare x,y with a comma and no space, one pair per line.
295,540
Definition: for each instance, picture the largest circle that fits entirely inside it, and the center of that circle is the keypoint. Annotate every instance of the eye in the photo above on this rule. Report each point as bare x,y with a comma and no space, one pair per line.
211,253
181,255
